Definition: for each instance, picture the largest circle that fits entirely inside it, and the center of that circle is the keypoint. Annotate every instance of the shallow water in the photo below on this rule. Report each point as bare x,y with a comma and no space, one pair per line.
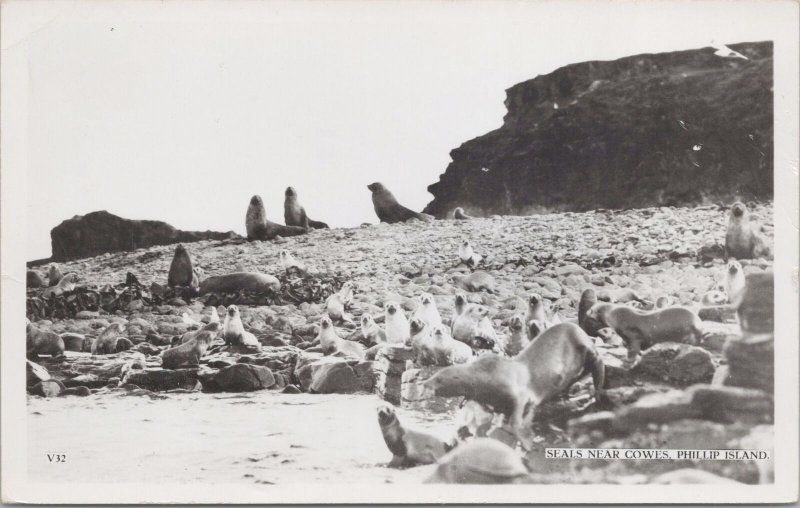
260,437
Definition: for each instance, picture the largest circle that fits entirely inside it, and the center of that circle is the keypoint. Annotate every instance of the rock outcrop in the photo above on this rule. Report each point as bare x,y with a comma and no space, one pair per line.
678,128
100,232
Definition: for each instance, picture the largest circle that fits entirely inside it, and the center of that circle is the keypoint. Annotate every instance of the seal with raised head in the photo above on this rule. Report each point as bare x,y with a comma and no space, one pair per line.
474,282
459,214
233,330
388,209
474,328
734,281
396,324
420,342
188,353
481,461
40,342
259,228
548,367
67,283
54,275
295,215
743,238
409,447
641,329
446,349
106,343
331,343
427,310
336,304
517,339
467,254
181,271
290,264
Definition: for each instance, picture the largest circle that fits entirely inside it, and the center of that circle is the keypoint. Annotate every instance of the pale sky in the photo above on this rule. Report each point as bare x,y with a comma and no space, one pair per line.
182,111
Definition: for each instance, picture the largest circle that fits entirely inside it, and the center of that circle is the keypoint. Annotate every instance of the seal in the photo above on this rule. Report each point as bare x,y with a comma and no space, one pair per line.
213,327
562,355
535,317
621,295
54,275
106,343
446,349
388,209
337,303
188,353
420,342
662,302
473,419
396,324
460,302
481,461
458,214
467,255
408,447
372,333
640,329
517,339
39,342
589,325
734,281
295,215
67,283
331,343
289,263
714,298
427,311
187,320
743,238
474,282
181,272
473,327
259,228
233,330
33,279
240,281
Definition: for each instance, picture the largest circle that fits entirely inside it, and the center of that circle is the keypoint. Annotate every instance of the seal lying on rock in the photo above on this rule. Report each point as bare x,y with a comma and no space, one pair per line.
259,228
408,447
734,281
473,327
467,255
475,282
337,303
481,461
427,311
743,238
295,215
548,367
240,281
39,342
331,343
181,272
233,330
106,343
458,214
213,327
189,353
388,209
641,330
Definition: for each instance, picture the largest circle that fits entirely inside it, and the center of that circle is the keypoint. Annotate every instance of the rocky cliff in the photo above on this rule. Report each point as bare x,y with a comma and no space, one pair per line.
678,128
100,232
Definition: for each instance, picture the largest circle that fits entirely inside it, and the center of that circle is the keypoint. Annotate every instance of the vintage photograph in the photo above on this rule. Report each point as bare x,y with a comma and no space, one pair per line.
415,245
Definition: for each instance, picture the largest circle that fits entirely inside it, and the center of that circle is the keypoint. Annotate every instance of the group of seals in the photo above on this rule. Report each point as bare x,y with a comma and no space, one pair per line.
258,227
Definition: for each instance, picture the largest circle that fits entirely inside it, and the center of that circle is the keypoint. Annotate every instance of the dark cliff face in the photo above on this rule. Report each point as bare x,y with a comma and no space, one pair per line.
680,128
100,232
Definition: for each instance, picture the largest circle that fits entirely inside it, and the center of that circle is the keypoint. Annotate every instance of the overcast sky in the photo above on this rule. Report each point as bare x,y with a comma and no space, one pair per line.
181,112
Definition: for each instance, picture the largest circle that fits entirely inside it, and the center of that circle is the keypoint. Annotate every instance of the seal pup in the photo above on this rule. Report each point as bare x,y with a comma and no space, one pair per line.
548,367
388,209
396,324
517,339
409,447
734,281
331,343
233,330
259,228
295,215
446,349
214,328
473,327
187,320
714,298
640,329
420,342
337,304
33,279
467,255
40,342
289,263
535,317
459,214
460,302
189,353
106,342
67,283
743,238
481,461
372,333
475,282
181,272
427,310
54,275
662,302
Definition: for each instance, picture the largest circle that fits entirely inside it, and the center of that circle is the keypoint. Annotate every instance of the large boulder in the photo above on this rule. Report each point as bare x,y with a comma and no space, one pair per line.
331,374
99,232
163,379
241,377
675,363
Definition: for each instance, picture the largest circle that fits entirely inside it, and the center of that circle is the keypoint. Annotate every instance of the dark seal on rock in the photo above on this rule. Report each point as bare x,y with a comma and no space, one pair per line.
238,281
40,342
408,447
54,275
743,239
106,343
295,215
189,353
388,209
181,272
259,228
590,326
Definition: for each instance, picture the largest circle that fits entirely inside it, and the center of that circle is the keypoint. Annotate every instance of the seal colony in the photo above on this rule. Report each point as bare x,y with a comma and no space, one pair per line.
507,335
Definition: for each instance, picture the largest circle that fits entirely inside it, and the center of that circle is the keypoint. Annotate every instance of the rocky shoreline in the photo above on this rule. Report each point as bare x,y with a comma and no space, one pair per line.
675,396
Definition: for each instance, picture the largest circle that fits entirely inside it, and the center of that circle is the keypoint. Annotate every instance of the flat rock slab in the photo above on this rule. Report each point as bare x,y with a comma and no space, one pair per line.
332,374
751,362
157,380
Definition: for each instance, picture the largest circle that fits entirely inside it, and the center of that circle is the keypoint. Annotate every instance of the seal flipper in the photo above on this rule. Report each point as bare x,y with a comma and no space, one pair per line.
595,365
